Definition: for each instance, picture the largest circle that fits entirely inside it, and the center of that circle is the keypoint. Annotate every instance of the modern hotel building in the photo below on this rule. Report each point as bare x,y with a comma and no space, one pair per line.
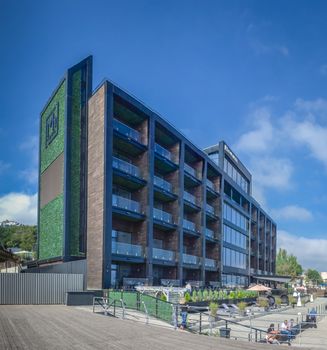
127,195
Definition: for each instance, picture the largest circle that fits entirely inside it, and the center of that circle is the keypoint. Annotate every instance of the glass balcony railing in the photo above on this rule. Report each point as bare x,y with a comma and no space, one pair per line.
210,263
189,197
210,233
126,167
162,151
190,170
165,185
127,249
125,203
189,225
210,184
162,254
210,209
126,130
190,259
162,215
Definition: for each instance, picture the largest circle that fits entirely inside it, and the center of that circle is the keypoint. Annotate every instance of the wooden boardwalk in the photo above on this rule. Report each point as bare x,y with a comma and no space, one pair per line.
42,327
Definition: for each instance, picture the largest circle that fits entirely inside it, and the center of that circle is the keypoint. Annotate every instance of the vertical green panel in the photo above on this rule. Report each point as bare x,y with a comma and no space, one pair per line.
75,165
51,229
50,233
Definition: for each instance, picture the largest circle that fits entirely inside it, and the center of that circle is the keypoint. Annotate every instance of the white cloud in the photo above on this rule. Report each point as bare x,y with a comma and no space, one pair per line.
19,207
317,106
31,146
292,212
311,135
3,166
261,137
310,252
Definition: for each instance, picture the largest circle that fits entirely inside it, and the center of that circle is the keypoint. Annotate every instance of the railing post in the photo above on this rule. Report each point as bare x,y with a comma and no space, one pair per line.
200,326
123,307
256,335
156,307
115,308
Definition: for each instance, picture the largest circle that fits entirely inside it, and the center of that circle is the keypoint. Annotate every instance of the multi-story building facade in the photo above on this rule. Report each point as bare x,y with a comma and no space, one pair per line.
126,192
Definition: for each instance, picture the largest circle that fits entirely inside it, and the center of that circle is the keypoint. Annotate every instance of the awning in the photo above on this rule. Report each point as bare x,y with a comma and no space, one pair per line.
278,279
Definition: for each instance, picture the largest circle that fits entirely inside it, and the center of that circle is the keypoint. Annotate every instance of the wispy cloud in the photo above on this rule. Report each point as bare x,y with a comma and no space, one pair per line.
19,207
311,252
311,107
292,212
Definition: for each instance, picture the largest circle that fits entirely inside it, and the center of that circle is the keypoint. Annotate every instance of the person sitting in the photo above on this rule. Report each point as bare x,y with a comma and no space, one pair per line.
272,335
285,331
313,316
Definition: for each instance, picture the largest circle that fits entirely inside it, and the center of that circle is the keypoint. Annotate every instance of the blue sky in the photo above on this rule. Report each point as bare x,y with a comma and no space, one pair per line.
253,73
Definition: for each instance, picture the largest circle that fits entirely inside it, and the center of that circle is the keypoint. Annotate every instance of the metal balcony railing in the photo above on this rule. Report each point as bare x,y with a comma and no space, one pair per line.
126,167
189,225
209,233
125,203
210,263
189,197
210,209
190,170
162,215
210,184
165,185
127,249
190,259
162,151
162,254
126,130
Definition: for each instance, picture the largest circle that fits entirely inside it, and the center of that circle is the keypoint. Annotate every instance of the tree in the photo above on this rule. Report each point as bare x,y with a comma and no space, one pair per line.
313,276
287,265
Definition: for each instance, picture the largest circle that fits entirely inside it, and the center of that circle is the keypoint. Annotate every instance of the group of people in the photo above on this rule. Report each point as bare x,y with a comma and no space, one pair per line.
285,329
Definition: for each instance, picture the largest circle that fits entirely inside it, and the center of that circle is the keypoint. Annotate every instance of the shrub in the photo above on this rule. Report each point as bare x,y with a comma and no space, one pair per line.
194,296
242,305
163,297
262,302
205,295
278,301
210,295
213,307
291,300
187,297
215,295
232,295
200,296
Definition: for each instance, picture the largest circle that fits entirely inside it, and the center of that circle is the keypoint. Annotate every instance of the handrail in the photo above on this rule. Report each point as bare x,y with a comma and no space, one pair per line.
146,313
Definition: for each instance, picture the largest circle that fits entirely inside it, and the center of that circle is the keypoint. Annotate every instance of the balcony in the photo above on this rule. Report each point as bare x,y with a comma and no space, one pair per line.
190,202
127,174
191,179
127,250
127,208
163,256
163,190
210,212
211,190
163,159
190,228
163,219
210,264
191,260
127,138
210,235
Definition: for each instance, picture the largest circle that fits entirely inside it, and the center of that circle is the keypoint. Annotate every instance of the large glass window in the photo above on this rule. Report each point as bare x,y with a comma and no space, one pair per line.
234,258
236,175
235,217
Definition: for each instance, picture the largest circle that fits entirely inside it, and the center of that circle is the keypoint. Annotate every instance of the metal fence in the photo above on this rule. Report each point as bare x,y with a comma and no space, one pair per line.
37,288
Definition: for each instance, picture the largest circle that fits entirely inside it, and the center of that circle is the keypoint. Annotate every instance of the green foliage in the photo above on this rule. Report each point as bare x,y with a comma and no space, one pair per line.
23,237
205,295
163,297
215,295
278,301
287,265
313,276
194,296
262,302
210,295
242,305
291,299
200,296
232,295
187,297
213,307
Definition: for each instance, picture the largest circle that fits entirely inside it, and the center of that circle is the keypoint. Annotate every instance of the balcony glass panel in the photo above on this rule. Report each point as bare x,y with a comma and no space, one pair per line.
126,130
189,197
190,170
189,225
162,215
161,254
210,184
210,263
126,167
210,233
190,259
210,209
162,151
158,181
126,249
125,203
